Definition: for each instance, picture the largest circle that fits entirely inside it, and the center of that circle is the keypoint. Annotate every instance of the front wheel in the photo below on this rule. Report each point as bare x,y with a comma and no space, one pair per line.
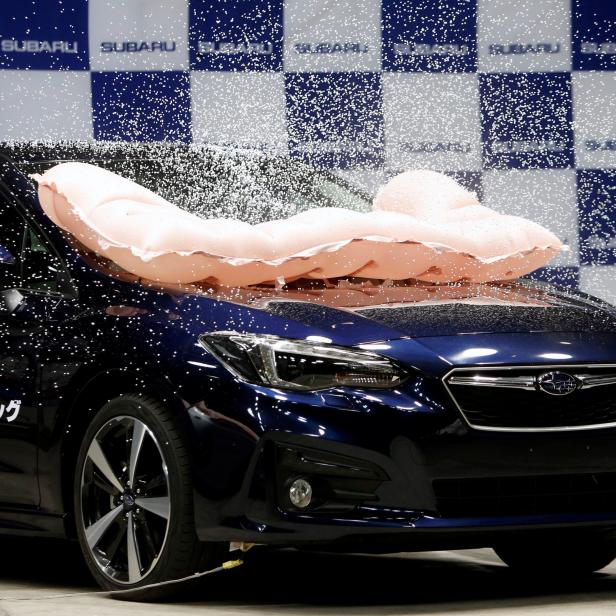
133,501
563,556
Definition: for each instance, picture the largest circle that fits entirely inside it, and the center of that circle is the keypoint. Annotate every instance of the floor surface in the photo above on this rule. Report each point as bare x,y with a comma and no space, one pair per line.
35,576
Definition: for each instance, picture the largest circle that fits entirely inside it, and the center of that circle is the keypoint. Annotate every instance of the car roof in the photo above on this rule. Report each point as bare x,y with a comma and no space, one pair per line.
91,151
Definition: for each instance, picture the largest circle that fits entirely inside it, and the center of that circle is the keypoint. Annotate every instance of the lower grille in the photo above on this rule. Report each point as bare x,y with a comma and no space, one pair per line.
510,399
544,494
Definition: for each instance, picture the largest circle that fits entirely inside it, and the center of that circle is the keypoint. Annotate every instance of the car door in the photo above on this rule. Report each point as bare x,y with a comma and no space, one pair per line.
29,293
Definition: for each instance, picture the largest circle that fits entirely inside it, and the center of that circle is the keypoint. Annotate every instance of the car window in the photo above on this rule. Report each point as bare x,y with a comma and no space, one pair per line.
26,261
250,188
40,268
12,227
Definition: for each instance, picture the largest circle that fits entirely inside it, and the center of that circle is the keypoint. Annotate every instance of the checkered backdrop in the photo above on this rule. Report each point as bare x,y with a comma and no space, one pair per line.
515,98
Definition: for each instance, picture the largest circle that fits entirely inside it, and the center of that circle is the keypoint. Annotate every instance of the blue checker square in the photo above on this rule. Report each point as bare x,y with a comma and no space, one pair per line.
593,30
335,119
434,36
596,190
563,276
44,35
141,106
235,35
526,120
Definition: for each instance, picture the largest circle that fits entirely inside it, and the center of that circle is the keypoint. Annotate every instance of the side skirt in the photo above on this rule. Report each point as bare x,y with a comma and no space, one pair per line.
31,522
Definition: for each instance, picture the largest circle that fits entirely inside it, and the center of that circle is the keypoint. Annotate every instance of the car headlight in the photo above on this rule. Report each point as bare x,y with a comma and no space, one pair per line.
297,364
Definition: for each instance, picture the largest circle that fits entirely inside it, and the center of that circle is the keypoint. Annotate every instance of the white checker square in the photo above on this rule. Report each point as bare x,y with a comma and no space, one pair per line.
432,121
594,119
245,109
600,281
138,35
332,35
45,105
545,196
524,35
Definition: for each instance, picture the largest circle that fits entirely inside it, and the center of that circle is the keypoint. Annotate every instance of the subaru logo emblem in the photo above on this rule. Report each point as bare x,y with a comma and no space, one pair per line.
557,383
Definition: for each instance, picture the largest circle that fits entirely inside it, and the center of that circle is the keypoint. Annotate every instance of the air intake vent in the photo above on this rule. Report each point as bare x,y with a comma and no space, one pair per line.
543,494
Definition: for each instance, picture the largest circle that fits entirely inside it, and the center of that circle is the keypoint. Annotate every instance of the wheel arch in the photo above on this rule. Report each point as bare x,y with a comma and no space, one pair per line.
95,390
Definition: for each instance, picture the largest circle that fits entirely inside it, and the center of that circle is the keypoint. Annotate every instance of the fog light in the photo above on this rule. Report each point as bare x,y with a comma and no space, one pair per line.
300,493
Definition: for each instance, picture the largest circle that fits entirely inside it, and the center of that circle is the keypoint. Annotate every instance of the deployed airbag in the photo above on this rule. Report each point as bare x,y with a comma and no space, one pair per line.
423,225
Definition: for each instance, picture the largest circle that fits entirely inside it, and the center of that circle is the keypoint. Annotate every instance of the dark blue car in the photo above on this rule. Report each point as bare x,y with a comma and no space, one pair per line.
159,424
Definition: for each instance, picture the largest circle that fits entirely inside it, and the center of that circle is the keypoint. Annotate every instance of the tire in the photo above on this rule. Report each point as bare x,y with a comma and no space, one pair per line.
563,556
134,503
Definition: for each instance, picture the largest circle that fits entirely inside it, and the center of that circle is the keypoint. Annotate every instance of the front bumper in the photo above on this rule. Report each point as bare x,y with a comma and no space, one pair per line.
399,467
451,490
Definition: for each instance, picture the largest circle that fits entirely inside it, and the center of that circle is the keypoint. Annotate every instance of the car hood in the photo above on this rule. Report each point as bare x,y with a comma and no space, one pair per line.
428,327
452,310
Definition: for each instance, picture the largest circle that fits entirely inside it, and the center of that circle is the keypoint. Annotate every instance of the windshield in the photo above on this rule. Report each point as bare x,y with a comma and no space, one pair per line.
249,187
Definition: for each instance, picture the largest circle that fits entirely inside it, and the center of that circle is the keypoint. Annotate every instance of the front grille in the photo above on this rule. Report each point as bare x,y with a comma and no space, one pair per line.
544,494
508,399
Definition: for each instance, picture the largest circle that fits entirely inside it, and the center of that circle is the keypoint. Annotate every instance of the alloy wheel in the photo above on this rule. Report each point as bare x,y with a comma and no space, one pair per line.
125,500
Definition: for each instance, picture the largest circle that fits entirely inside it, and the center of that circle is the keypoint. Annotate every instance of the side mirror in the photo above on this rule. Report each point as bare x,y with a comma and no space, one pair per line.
6,256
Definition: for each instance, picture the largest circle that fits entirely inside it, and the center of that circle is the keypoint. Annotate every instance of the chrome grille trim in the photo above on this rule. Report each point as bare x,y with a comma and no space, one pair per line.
523,382
515,382
586,381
